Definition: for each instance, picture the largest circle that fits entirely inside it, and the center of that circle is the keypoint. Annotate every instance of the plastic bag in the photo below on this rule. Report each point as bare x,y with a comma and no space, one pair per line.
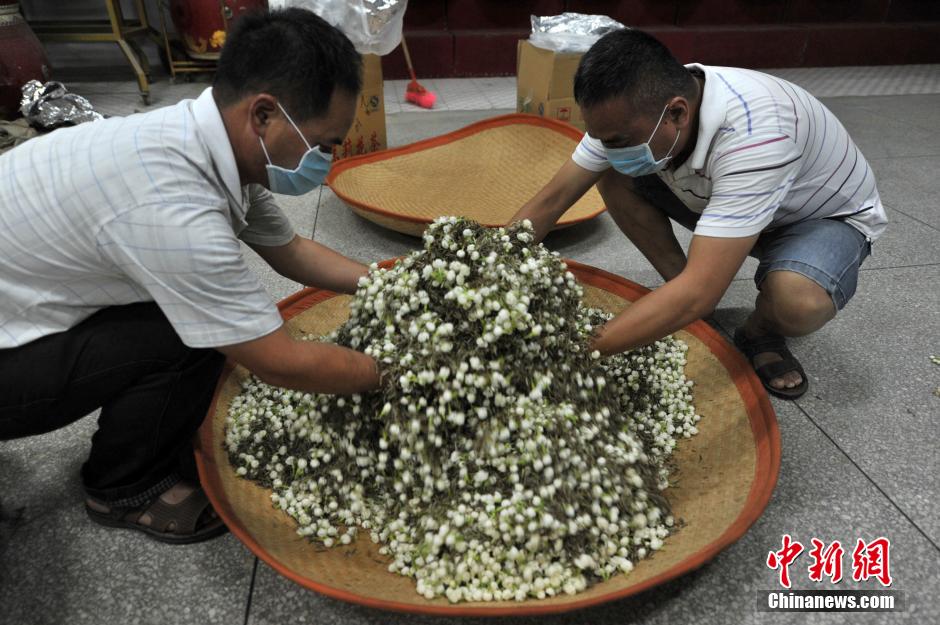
570,32
374,26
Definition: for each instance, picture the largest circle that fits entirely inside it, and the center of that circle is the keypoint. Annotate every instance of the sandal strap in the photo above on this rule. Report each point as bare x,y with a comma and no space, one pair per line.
773,370
184,515
766,343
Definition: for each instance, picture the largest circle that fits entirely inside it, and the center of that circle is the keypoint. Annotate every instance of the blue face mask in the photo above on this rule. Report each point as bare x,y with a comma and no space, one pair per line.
638,160
308,175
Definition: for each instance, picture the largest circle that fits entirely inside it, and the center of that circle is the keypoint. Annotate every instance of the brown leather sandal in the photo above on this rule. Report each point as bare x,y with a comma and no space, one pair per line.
177,524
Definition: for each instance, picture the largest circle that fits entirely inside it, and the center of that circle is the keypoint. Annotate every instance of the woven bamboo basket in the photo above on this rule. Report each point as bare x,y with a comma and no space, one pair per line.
485,172
724,479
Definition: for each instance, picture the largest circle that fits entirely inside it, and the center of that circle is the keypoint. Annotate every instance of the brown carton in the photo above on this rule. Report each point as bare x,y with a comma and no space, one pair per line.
367,133
545,83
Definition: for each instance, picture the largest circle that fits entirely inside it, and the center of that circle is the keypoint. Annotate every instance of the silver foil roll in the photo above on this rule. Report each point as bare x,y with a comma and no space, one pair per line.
50,105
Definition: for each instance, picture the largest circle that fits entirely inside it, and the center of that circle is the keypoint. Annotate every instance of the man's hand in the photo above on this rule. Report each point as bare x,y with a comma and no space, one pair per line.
313,264
562,191
306,366
694,293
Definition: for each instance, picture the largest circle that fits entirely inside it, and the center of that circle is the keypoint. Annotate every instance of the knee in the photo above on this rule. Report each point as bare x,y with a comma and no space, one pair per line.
800,306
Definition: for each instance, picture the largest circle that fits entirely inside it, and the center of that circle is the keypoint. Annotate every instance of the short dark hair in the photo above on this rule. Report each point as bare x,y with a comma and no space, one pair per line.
292,54
634,64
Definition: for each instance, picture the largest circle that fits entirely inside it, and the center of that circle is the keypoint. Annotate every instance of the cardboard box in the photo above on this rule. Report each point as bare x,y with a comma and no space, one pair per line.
367,133
545,83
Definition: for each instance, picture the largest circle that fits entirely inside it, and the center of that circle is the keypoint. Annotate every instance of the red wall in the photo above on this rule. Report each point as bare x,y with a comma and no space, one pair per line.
478,37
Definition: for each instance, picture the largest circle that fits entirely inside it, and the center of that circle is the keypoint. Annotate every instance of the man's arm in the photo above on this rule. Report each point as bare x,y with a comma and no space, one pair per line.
313,264
562,191
713,263
306,366
647,227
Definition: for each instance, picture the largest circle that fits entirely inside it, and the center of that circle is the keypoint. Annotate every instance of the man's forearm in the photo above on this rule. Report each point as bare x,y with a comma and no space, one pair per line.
548,205
543,220
314,264
328,269
326,368
665,310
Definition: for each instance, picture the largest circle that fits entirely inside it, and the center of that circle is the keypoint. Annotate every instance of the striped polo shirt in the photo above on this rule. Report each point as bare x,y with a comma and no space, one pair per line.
768,154
135,209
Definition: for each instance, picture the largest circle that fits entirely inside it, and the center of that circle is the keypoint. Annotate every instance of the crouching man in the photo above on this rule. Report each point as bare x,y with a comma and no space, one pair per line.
752,164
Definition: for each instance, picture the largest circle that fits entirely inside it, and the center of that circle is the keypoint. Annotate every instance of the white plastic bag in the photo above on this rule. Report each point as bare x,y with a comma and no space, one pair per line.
570,32
374,26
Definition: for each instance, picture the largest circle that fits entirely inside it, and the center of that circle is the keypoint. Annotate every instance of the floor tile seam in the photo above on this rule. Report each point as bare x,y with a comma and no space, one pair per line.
316,214
900,158
437,91
914,266
857,466
393,91
482,92
868,477
880,94
251,591
914,217
866,269
869,107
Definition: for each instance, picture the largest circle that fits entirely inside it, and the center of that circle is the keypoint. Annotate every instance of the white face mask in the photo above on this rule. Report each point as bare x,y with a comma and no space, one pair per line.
638,160
310,172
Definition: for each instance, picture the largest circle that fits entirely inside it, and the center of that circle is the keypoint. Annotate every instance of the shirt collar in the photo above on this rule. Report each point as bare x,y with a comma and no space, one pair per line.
710,116
212,129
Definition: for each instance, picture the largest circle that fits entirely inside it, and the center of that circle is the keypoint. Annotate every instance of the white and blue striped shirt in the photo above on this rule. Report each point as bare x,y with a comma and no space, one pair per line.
767,154
124,210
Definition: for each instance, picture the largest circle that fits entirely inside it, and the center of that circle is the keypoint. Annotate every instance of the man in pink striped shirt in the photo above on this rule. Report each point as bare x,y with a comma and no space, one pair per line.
752,164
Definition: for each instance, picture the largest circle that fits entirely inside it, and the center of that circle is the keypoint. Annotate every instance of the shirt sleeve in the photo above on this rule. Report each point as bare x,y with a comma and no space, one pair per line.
750,180
267,223
591,154
188,259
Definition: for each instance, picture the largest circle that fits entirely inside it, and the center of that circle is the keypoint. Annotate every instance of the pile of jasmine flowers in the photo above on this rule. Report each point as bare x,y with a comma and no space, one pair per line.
502,459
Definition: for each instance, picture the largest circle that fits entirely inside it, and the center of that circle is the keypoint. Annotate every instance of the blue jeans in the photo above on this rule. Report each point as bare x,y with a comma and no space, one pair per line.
827,251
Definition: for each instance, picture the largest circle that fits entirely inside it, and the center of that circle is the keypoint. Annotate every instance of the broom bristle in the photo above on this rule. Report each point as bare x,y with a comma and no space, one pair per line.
424,100
415,87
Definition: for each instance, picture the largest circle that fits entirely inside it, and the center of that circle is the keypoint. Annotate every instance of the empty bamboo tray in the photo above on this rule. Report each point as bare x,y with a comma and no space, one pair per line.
725,476
484,172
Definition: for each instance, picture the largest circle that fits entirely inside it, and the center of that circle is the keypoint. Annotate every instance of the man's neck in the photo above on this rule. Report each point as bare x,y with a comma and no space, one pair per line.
231,117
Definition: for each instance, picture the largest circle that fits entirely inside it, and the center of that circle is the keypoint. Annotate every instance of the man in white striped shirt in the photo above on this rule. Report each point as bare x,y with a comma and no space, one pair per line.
749,162
122,274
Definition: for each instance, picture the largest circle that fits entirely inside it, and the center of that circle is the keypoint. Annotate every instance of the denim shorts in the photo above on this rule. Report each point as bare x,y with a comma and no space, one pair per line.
827,251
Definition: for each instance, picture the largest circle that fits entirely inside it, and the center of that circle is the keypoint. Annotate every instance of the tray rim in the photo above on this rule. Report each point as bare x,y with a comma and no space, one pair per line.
761,416
340,167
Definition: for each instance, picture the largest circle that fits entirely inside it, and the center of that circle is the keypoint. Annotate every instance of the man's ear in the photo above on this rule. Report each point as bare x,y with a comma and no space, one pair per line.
262,108
679,112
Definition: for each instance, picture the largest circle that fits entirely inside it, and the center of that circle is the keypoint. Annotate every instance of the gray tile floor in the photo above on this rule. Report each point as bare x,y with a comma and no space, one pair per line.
860,451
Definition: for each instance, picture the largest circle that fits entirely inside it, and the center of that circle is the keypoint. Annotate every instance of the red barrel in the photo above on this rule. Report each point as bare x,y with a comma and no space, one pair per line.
202,24
22,58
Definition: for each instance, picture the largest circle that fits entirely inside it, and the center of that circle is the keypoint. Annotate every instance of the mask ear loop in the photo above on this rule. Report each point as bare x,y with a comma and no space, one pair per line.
658,122
669,153
265,150
302,137
678,132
